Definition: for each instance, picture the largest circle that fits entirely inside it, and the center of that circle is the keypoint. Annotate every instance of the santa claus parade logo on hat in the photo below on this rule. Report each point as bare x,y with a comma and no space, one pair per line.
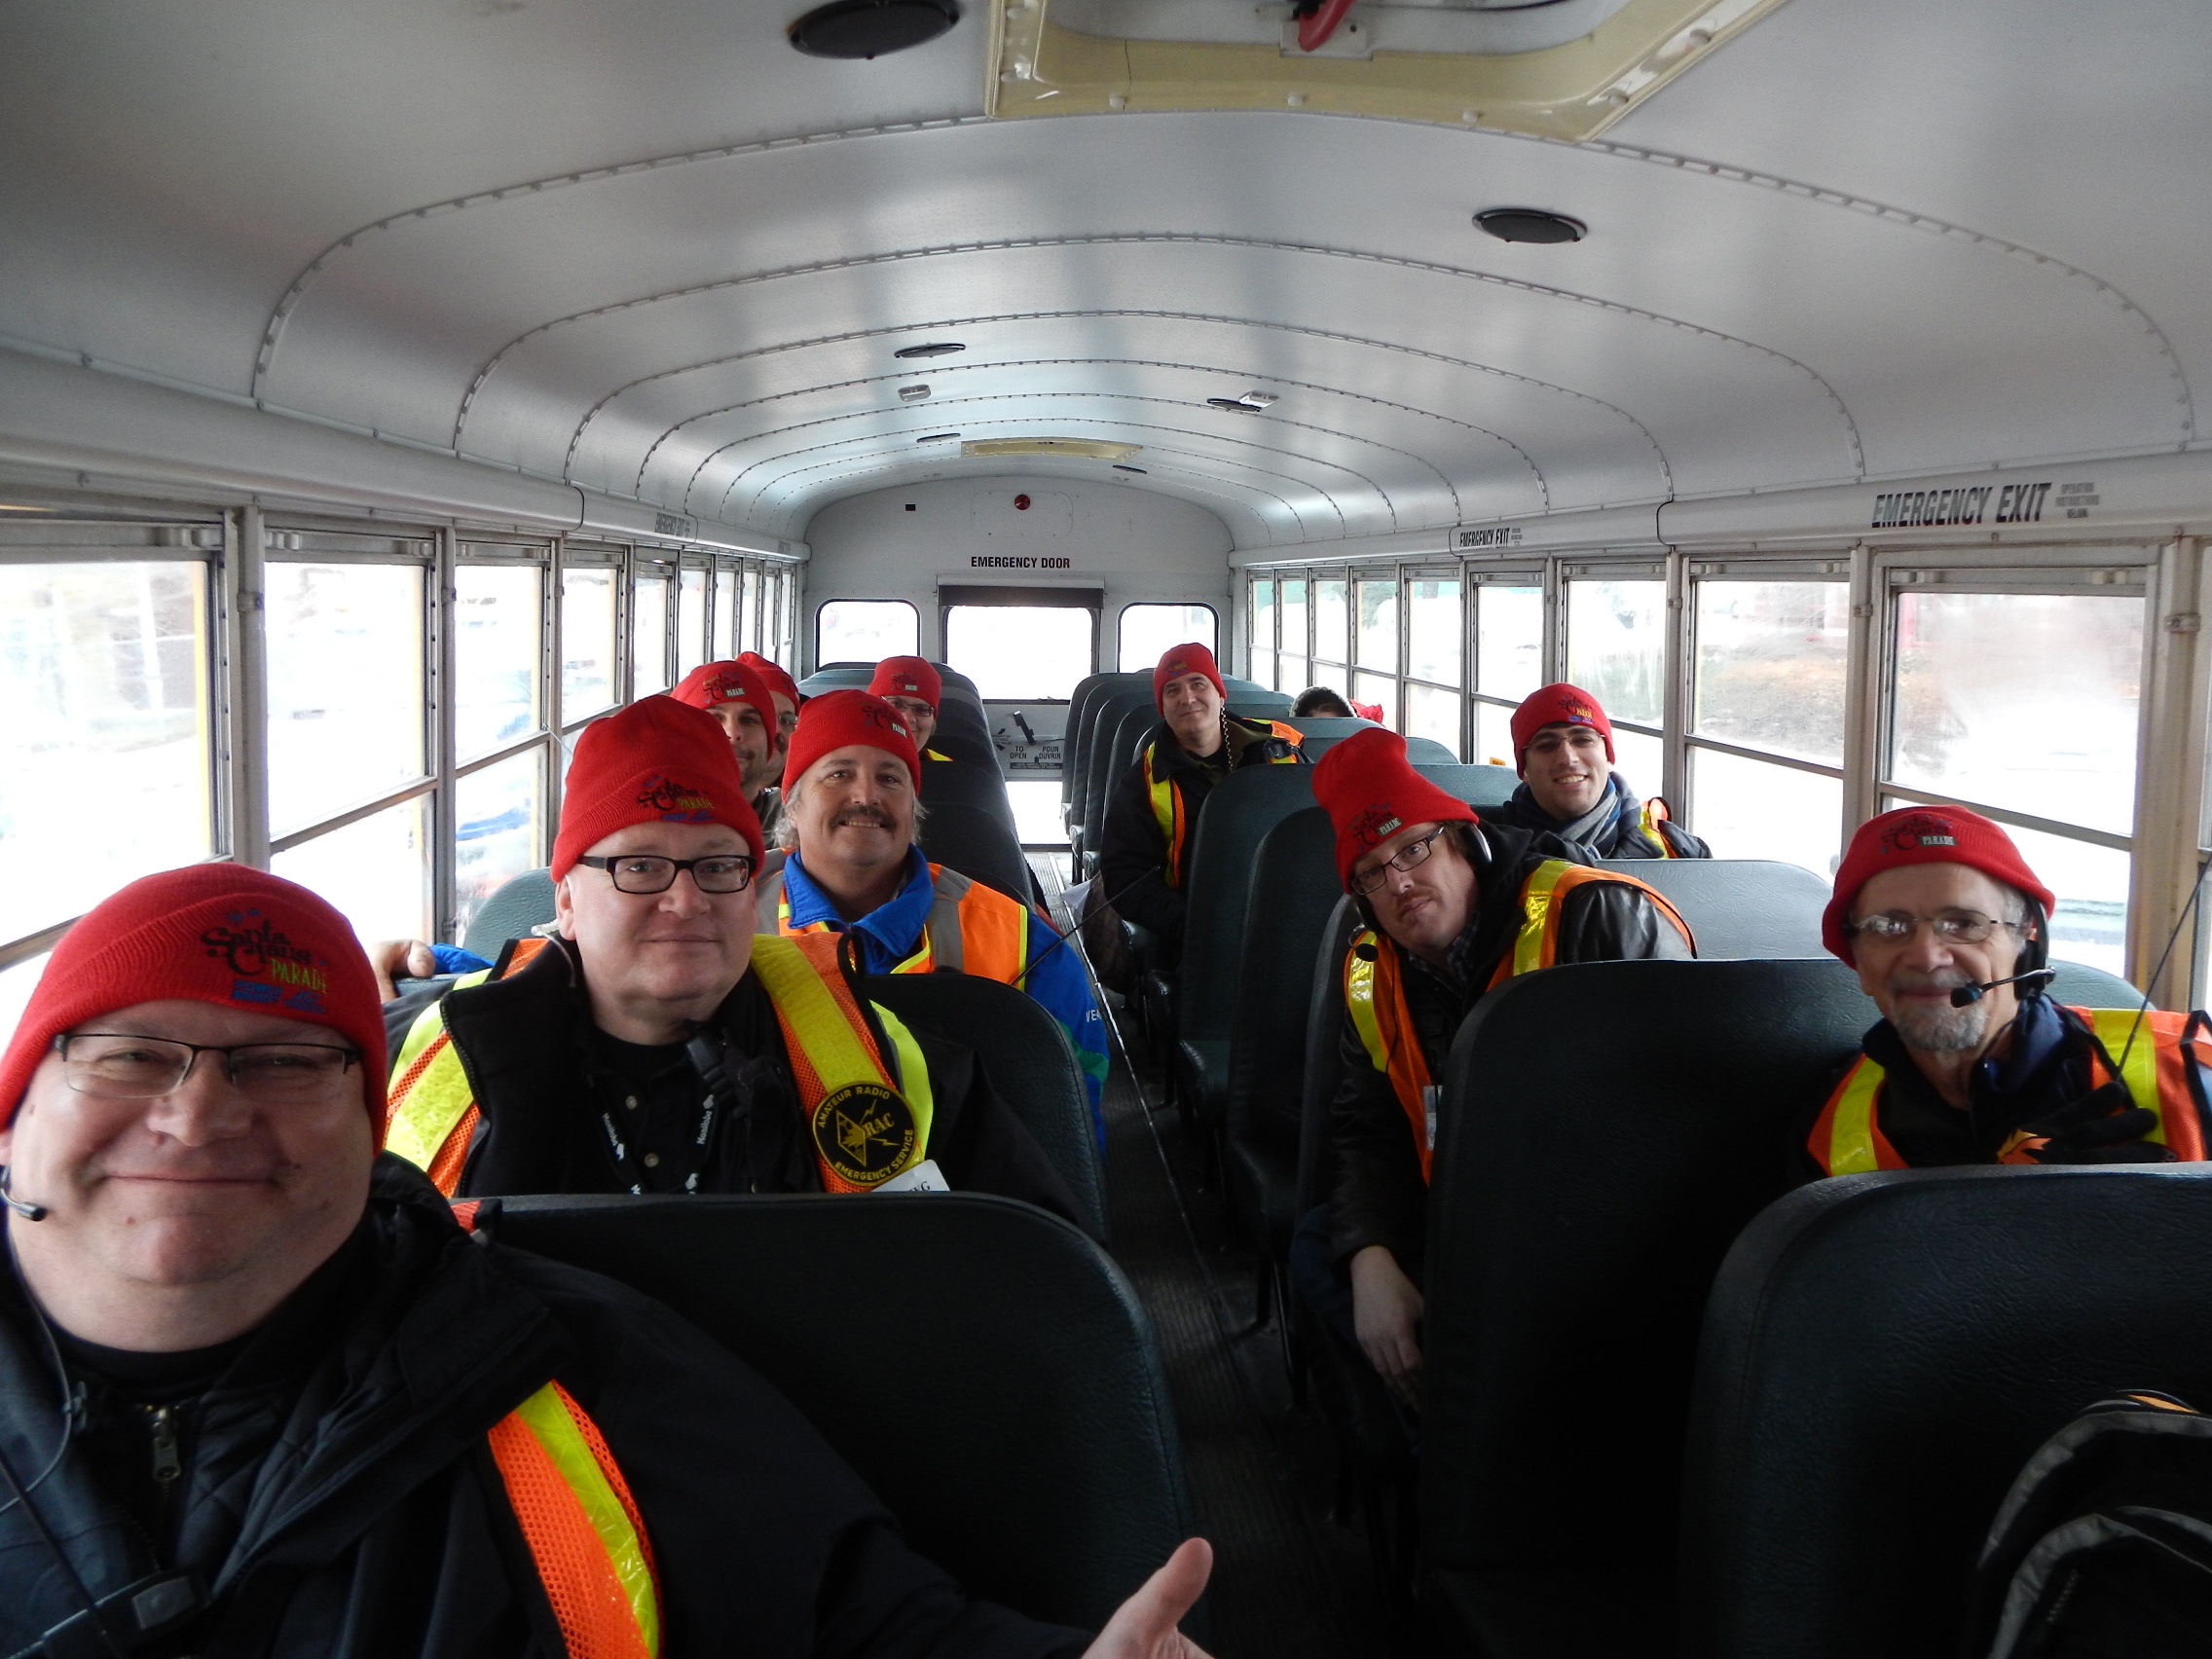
677,803
882,714
727,688
1921,830
255,950
1372,824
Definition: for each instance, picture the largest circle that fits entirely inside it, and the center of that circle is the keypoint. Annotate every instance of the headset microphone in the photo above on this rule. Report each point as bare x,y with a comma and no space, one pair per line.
1967,995
29,1212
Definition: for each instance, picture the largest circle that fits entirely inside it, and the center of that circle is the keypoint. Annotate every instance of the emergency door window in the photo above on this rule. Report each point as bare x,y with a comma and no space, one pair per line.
1020,652
1290,664
2024,700
863,630
1148,630
1771,665
1261,664
103,675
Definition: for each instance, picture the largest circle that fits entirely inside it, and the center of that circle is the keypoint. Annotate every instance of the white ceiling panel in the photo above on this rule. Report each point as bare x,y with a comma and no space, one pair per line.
651,250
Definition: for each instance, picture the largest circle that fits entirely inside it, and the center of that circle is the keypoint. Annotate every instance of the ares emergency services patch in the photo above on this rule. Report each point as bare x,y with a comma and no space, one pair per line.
864,1133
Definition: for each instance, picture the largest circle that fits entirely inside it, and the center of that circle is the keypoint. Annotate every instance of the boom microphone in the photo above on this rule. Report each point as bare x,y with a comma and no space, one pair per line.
29,1212
1968,995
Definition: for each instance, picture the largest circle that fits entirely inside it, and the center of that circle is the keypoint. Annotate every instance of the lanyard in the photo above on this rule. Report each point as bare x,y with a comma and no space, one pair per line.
706,1058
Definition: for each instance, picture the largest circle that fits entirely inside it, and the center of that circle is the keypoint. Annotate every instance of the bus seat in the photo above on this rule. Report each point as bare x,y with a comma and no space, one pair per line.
1606,1130
1107,759
983,1366
519,905
1882,1353
2084,986
1027,1057
958,782
977,843
1239,812
1739,908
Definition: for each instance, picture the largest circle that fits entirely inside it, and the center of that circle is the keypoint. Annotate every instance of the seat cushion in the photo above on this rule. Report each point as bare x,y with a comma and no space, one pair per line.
1203,1066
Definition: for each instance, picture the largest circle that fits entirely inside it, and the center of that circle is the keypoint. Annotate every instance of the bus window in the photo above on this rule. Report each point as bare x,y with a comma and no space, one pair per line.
1018,653
1509,660
1259,651
691,619
648,635
1616,649
1332,633
496,629
1434,629
860,630
727,586
1292,655
345,677
376,870
1771,661
587,641
1148,630
498,813
2027,703
104,674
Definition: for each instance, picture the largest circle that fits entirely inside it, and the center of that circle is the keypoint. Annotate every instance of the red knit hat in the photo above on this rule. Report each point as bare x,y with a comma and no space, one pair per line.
658,760
1371,792
907,676
836,718
1918,835
780,683
220,933
1179,660
712,683
1559,704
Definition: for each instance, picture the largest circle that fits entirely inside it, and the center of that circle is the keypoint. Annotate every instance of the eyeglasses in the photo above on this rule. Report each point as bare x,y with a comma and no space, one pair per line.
1407,856
642,873
1957,927
120,1067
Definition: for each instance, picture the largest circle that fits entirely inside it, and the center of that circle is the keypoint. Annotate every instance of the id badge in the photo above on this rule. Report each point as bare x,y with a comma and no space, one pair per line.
1430,1096
924,1177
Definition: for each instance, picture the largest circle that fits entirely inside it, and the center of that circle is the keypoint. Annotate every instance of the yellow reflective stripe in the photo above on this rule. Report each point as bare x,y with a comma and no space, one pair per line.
1536,903
1359,1000
425,1116
913,1077
429,1023
547,1418
1652,833
1162,793
1851,1132
833,1048
2141,1067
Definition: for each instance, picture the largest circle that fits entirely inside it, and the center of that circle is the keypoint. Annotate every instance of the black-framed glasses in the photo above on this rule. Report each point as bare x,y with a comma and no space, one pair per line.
119,1066
1954,927
1407,856
647,872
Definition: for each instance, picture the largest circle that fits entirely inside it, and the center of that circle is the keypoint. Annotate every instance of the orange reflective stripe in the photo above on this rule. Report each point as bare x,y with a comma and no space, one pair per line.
585,1536
430,1116
1289,734
1401,1058
2155,1071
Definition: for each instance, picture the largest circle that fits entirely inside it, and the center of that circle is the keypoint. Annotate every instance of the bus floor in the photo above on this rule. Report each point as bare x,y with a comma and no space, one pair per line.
1289,1581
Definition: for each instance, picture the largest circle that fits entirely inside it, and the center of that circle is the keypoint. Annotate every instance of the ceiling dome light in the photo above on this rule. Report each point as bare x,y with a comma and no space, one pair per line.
935,349
1530,225
870,28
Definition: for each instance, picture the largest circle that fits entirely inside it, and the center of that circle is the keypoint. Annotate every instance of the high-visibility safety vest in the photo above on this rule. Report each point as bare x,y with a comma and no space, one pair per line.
1847,1138
1167,800
581,1526
1649,822
869,1121
1375,990
970,929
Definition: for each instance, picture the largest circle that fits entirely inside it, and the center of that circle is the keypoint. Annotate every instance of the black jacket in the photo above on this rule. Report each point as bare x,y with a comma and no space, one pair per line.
1132,855
2046,1068
1378,1195
339,1500
545,1082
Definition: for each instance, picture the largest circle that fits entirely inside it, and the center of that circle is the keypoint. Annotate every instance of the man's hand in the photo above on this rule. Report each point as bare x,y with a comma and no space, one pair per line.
1144,1626
2104,1126
1385,1309
399,959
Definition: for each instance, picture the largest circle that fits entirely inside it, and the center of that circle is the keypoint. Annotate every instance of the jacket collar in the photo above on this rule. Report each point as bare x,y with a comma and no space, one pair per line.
890,933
